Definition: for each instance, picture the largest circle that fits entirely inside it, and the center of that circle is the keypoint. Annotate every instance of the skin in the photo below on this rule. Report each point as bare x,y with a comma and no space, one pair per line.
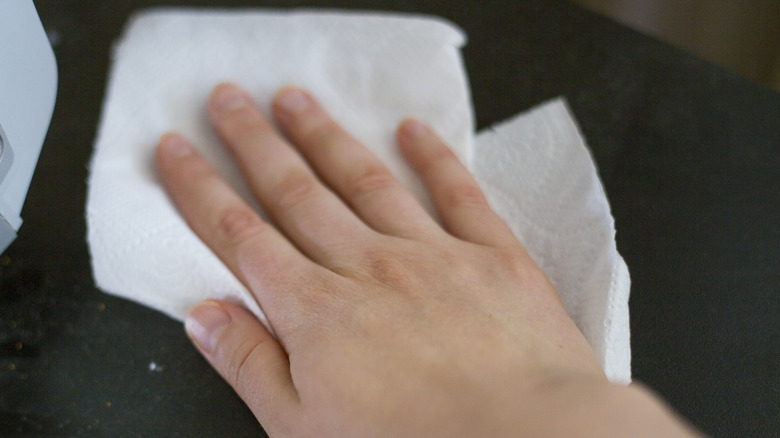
385,322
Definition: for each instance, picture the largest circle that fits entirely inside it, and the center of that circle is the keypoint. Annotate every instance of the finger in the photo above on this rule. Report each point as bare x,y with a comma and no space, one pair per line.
314,218
248,357
253,250
462,206
353,171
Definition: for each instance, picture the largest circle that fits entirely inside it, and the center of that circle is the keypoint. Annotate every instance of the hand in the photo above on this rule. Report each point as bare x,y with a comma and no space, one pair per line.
385,323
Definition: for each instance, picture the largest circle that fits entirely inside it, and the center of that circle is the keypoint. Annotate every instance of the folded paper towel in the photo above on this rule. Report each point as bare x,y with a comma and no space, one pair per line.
539,177
370,71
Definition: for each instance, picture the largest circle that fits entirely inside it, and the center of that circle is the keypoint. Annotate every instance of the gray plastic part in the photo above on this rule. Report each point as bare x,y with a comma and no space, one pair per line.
6,155
7,234
28,89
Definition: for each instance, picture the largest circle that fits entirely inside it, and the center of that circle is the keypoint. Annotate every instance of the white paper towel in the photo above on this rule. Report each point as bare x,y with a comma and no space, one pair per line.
370,71
539,177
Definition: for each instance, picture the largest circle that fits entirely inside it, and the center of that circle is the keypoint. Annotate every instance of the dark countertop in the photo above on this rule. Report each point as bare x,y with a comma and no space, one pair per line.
690,159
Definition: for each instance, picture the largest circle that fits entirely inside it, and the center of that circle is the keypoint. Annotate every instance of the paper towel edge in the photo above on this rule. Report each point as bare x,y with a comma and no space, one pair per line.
153,11
617,336
616,355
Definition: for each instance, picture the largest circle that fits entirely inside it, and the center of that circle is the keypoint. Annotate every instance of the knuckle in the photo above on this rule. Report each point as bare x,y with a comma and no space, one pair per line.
238,224
372,179
516,264
319,132
390,269
244,123
387,270
240,357
254,139
295,188
465,196
507,258
242,365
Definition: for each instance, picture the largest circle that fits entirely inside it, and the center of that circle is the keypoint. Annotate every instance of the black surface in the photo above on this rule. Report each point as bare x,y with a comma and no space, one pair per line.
689,155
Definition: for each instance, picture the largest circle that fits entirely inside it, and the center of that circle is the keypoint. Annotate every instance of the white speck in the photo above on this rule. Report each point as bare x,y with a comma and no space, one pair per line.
154,367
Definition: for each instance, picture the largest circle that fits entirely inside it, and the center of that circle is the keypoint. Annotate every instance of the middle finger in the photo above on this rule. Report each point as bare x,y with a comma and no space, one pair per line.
312,216
353,171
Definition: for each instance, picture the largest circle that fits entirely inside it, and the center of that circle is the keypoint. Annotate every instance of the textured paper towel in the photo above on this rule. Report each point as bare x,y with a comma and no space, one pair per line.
539,177
370,71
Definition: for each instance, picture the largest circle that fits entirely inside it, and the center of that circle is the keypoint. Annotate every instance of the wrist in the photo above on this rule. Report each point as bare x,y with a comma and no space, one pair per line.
591,406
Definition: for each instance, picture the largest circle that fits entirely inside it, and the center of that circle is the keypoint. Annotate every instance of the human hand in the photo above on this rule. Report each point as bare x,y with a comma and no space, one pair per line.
385,323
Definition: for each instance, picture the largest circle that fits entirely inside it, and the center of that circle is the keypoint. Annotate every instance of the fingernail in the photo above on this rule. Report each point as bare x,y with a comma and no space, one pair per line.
292,100
204,323
175,145
229,98
413,128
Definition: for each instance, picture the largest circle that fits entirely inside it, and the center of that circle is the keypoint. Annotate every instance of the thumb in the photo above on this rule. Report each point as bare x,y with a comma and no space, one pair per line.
247,356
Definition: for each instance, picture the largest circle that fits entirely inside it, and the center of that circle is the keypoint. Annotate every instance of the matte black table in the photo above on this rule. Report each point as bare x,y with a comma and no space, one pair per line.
689,155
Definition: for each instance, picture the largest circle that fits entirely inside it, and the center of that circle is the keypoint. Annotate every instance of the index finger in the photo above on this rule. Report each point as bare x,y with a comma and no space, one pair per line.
257,254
